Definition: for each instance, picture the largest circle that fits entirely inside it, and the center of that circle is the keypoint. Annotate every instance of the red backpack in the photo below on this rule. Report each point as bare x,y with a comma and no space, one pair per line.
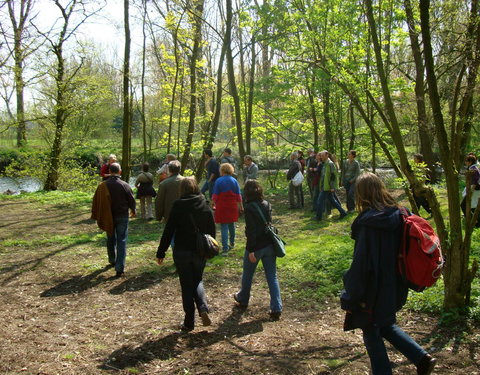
420,260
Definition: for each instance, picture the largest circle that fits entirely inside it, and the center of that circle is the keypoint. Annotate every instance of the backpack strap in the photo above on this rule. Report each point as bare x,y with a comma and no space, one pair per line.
403,248
259,210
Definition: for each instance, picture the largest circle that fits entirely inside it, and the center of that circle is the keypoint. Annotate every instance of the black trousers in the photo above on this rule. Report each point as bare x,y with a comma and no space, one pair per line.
190,271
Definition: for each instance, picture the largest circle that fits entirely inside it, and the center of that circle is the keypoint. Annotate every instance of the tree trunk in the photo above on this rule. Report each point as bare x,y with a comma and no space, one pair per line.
19,58
127,125
231,80
197,22
326,117
424,131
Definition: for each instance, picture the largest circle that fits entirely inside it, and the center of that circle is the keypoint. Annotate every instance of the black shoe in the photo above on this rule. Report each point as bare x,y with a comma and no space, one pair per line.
275,315
185,328
426,365
119,274
238,303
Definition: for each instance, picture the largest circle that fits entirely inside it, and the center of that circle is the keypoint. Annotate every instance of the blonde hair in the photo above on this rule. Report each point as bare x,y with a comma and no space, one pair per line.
189,185
226,168
370,192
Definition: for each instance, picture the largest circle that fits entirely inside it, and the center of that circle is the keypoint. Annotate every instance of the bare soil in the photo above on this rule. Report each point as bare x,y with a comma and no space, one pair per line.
62,312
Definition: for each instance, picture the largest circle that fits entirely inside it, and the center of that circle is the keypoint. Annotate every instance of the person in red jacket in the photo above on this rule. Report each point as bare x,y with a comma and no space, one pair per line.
227,201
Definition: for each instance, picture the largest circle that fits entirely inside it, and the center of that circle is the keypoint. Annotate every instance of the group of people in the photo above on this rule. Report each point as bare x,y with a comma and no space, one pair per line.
374,292
323,179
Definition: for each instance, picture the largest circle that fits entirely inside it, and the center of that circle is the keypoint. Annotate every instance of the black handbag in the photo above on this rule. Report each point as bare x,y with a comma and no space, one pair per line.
207,246
278,243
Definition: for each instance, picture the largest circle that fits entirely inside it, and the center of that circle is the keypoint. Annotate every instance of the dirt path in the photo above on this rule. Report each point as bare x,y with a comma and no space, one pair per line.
62,313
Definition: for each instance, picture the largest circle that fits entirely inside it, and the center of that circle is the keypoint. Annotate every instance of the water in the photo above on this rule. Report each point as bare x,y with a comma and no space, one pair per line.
29,184
20,184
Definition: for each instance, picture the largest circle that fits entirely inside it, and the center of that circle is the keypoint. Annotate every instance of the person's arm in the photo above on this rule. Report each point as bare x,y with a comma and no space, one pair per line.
131,201
356,173
160,202
250,230
355,279
167,235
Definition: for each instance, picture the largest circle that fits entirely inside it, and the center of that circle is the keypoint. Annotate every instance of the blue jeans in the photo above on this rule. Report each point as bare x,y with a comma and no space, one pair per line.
117,243
350,192
331,197
190,272
373,339
269,261
208,185
226,229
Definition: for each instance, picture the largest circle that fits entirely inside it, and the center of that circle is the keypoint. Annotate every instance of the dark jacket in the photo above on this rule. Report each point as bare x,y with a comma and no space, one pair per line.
180,223
255,228
372,282
121,196
295,167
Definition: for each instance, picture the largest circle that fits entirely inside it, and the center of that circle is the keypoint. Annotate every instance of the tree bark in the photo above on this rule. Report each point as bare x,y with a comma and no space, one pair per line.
127,113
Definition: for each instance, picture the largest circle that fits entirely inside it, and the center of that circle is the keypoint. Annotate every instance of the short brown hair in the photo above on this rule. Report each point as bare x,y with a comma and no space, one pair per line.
188,186
253,191
226,168
471,158
370,192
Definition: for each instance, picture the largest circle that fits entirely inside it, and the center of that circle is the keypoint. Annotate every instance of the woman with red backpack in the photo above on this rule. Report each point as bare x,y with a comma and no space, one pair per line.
374,290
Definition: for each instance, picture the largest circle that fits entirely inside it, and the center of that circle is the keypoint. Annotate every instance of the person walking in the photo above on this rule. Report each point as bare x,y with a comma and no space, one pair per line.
162,171
250,169
374,290
350,172
311,164
259,247
105,170
294,192
168,191
188,213
212,170
227,201
228,158
111,204
145,192
327,186
474,171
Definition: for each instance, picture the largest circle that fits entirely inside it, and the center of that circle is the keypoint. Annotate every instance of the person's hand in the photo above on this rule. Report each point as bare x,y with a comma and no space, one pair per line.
159,261
133,214
332,190
240,210
252,258
472,187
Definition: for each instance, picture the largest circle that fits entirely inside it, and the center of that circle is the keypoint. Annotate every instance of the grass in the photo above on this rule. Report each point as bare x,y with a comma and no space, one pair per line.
317,253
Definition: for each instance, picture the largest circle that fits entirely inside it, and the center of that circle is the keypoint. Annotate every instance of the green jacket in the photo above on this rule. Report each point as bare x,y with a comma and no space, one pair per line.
329,177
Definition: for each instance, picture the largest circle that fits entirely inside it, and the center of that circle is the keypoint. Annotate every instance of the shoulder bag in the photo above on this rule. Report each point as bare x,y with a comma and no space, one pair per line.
207,246
278,243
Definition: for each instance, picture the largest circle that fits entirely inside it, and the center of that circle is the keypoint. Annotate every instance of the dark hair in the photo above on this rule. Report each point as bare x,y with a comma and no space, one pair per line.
208,152
174,167
228,151
419,157
471,158
145,167
114,168
354,153
188,186
253,191
370,192
300,153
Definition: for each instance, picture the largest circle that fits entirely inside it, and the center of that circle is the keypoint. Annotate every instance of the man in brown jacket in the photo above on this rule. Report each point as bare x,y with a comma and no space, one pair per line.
168,191
121,201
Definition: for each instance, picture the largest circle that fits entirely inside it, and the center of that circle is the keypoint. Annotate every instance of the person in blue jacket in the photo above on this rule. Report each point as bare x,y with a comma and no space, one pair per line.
374,290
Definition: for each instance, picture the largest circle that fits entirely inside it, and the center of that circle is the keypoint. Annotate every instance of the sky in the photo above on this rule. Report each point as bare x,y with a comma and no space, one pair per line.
106,29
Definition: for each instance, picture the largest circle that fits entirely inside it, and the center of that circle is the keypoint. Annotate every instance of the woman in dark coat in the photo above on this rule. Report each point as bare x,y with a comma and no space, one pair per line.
259,247
374,291
187,212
